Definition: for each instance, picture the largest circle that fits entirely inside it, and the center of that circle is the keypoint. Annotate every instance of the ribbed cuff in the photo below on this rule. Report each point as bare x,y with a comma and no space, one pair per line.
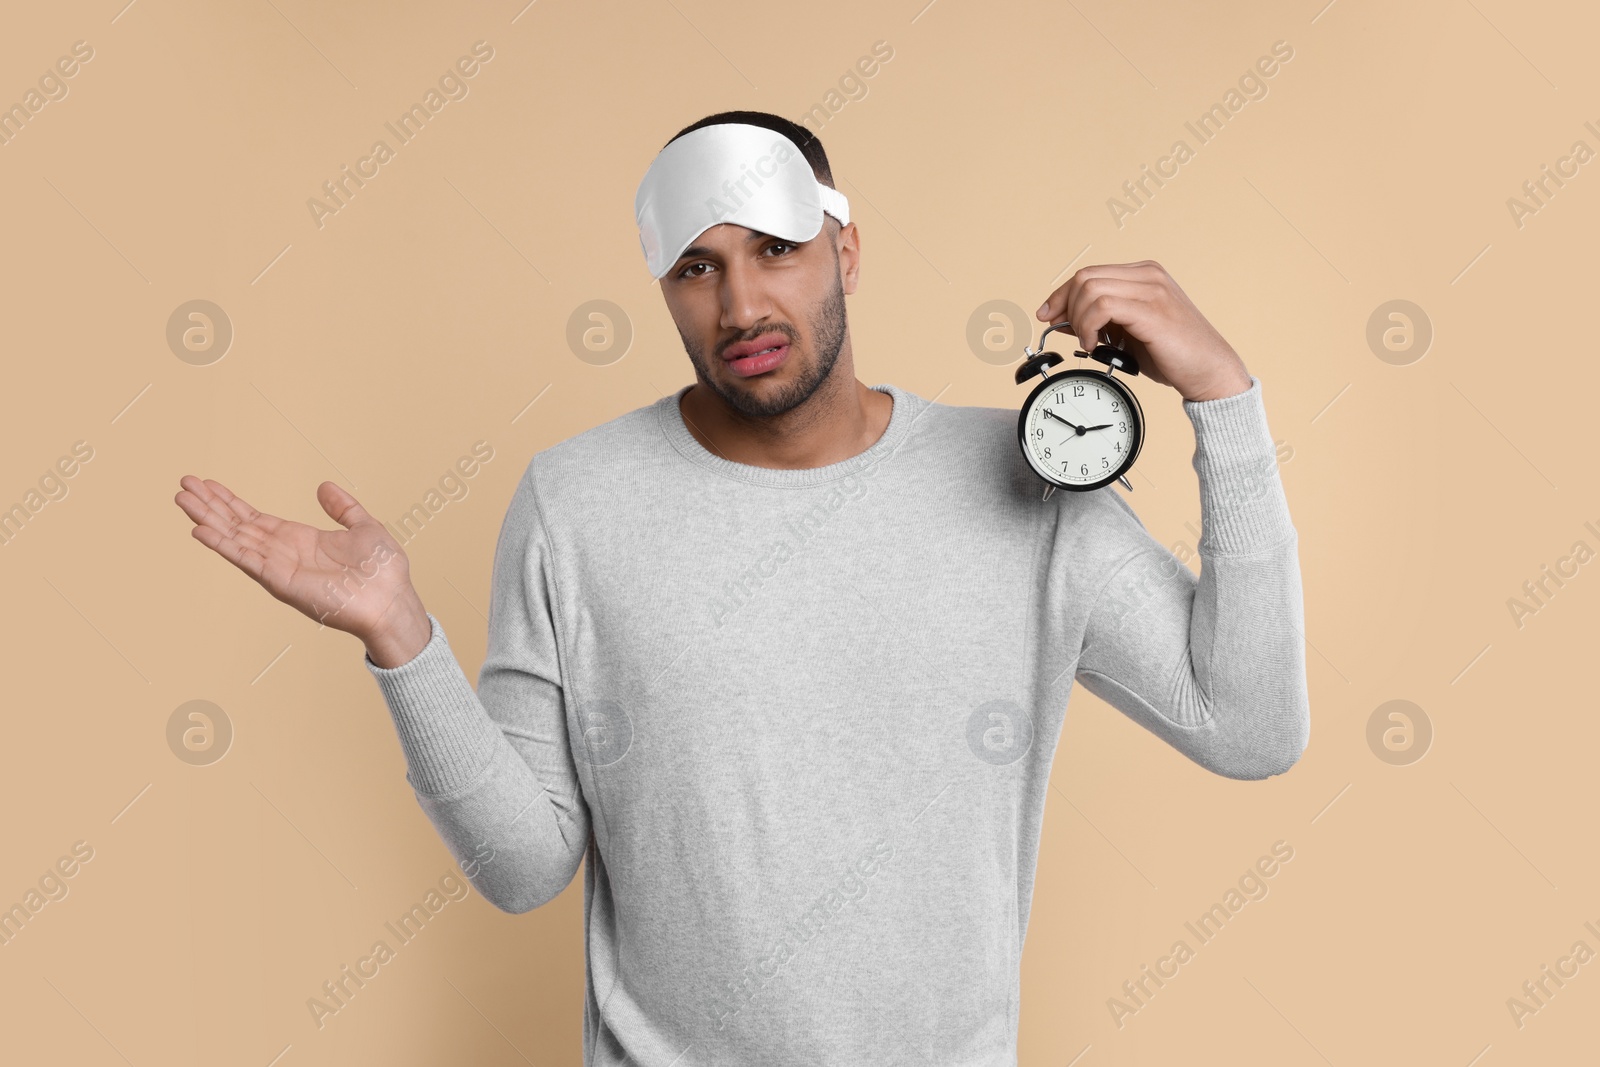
447,737
1242,504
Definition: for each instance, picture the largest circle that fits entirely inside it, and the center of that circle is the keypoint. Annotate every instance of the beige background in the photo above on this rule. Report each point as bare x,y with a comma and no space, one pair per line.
431,310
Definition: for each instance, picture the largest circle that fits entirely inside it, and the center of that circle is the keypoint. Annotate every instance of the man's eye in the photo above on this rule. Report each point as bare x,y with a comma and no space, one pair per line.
684,273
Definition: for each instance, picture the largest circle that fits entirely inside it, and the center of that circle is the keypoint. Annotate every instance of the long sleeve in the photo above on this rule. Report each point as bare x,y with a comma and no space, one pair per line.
1214,664
493,770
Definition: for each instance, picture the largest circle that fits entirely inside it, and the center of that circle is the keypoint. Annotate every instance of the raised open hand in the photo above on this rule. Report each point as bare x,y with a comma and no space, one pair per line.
356,579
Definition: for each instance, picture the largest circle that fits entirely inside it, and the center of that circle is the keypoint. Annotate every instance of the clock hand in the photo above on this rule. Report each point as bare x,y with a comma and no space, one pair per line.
1107,426
1069,422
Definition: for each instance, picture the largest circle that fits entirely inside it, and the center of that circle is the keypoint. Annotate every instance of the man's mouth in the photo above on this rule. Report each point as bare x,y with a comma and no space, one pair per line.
767,342
749,358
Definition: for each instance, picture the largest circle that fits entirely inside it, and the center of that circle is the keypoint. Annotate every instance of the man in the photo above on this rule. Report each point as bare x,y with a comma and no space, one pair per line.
787,657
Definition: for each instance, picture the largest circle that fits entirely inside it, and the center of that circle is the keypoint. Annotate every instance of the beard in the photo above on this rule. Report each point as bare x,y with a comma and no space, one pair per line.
828,326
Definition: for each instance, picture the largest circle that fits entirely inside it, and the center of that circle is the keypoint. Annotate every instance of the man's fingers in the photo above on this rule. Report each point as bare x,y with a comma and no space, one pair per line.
1058,305
1112,277
201,504
215,505
341,506
242,556
220,521
235,505
1108,304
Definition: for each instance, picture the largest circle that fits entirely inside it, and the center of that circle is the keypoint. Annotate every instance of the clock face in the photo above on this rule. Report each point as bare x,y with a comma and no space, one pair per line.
1107,413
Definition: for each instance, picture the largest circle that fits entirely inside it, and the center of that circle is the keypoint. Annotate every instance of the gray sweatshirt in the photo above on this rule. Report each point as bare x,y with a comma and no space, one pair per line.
801,722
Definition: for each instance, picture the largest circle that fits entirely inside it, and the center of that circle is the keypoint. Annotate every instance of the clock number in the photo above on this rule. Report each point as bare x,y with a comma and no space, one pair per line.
1115,406
1046,451
1104,463
1122,427
1077,390
1086,468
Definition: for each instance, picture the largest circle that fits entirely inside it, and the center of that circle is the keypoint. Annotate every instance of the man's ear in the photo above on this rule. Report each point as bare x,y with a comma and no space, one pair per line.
849,250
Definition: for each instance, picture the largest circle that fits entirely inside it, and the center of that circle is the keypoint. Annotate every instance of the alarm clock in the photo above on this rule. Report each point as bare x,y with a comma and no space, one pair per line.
1080,429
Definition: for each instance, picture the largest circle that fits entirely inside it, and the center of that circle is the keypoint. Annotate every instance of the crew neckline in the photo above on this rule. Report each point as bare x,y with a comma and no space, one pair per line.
907,407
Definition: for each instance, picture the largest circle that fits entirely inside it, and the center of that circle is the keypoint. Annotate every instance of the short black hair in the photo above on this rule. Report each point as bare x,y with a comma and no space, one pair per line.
809,144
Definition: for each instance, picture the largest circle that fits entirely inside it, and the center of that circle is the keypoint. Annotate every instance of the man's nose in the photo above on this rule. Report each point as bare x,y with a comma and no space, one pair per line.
744,299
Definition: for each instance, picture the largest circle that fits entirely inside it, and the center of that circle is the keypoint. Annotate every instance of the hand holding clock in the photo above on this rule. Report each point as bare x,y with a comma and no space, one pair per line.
1141,310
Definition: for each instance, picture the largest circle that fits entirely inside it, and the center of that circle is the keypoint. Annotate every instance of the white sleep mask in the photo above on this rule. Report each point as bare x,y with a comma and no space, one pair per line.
729,172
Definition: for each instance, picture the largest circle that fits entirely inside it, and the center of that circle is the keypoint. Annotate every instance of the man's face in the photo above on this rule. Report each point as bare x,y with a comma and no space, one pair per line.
735,286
